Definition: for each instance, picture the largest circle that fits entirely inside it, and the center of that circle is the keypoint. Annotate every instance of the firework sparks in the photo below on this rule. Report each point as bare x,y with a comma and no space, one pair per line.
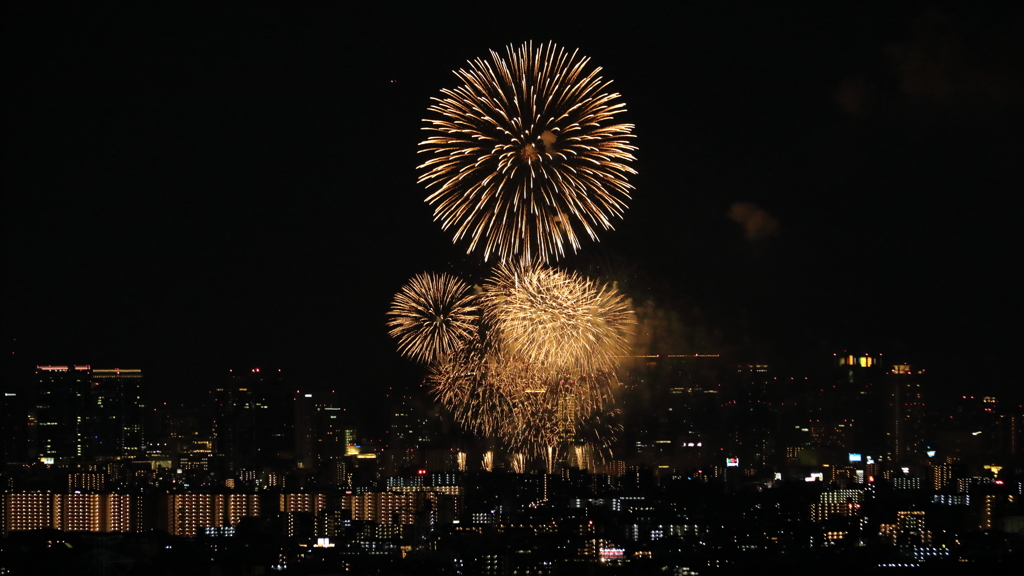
519,463
528,407
556,319
582,461
549,458
525,155
529,361
432,316
542,361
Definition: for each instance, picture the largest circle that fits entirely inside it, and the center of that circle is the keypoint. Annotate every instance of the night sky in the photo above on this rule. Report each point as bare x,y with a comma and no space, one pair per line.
189,192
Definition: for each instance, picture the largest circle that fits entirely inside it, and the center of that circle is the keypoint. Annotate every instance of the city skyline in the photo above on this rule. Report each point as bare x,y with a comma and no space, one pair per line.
711,467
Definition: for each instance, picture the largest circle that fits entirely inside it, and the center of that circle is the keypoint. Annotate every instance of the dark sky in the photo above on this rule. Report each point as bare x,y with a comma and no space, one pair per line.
193,191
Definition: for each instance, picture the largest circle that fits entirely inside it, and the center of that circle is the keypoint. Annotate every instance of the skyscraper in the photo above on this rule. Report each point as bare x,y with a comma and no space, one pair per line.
255,420
81,412
114,411
905,419
61,393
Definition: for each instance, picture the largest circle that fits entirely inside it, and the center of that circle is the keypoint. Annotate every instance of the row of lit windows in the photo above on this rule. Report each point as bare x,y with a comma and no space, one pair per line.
69,512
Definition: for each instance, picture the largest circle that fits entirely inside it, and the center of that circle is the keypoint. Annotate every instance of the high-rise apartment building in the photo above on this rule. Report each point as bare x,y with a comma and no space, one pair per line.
71,512
188,514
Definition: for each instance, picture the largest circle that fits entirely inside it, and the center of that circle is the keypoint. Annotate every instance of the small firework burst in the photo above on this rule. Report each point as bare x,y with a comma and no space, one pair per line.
432,317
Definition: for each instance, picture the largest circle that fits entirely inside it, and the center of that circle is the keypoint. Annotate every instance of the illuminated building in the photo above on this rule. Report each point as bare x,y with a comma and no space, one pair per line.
123,513
942,474
113,415
988,510
858,396
86,481
394,507
905,418
241,505
85,412
615,468
309,503
332,435
332,523
382,507
255,420
189,514
81,512
235,428
72,512
31,511
60,402
837,503
402,432
306,420
908,531
903,483
413,426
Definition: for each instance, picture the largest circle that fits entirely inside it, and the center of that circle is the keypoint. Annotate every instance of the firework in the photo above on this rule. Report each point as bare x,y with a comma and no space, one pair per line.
489,393
551,318
432,316
528,407
549,458
582,459
525,156
519,463
542,361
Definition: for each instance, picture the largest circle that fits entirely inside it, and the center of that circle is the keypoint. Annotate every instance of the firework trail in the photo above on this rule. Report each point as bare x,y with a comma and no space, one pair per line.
432,316
581,457
525,156
549,458
519,463
488,461
462,461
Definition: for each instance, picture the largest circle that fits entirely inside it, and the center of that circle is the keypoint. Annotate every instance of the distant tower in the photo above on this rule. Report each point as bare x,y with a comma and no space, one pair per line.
61,392
235,427
752,422
402,432
114,413
255,421
860,395
905,422
14,427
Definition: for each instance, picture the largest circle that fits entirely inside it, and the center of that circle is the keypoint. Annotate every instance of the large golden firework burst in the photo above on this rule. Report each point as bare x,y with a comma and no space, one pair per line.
525,156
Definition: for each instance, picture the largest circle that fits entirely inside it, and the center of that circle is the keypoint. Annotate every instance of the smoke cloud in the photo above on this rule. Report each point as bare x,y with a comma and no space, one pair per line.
756,222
